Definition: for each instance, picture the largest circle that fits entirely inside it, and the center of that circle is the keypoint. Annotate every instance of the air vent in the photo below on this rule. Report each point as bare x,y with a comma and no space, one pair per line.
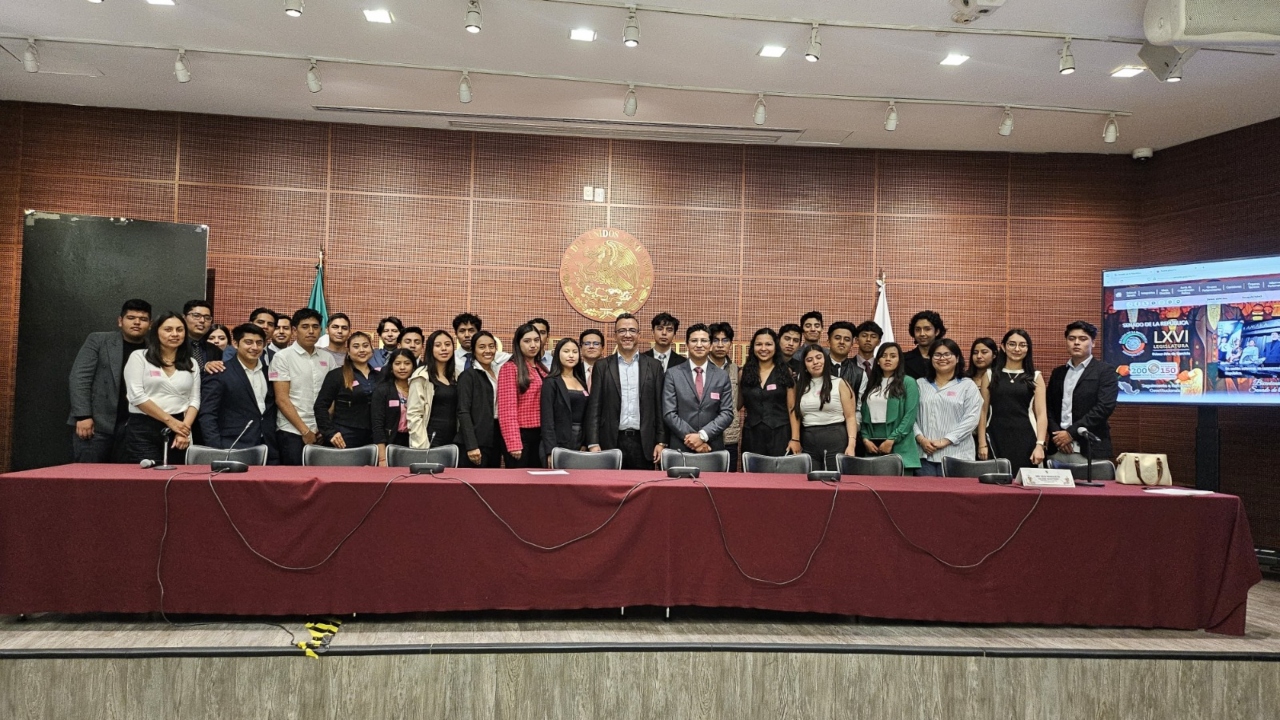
576,127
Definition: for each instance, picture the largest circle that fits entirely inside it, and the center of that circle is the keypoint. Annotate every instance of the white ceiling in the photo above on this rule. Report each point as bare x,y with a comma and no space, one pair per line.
1221,91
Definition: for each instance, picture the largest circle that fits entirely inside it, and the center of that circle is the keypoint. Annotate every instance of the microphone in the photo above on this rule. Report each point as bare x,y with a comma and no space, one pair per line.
164,448
1083,432
227,465
148,463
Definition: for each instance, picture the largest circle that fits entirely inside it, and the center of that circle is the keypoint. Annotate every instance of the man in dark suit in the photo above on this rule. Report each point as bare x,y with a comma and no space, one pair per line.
665,325
1271,355
1082,393
697,397
625,407
237,403
98,405
840,337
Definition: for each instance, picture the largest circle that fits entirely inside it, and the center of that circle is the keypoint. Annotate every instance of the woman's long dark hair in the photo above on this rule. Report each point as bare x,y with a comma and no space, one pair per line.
430,353
896,387
522,362
181,358
802,384
557,369
751,368
1028,364
974,370
388,375
349,365
951,345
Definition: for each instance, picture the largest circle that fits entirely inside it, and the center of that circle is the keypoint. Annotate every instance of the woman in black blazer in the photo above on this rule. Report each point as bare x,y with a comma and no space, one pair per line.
347,390
389,403
477,405
564,399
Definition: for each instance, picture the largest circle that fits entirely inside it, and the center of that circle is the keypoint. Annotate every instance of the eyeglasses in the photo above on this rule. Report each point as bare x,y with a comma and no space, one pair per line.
200,316
943,356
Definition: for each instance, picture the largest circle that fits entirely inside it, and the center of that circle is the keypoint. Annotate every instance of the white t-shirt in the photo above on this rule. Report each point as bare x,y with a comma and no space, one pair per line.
305,374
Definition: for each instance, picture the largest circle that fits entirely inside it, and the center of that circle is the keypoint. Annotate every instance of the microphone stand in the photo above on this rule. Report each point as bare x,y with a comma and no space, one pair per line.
1088,468
164,449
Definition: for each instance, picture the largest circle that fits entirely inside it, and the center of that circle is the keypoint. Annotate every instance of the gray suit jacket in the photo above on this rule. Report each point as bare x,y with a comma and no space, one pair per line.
685,413
95,380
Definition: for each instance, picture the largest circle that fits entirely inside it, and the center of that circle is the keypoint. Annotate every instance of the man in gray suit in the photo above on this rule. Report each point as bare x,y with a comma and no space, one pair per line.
98,405
697,397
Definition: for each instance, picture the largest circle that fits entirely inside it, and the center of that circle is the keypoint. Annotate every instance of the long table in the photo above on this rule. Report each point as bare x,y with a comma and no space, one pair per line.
86,538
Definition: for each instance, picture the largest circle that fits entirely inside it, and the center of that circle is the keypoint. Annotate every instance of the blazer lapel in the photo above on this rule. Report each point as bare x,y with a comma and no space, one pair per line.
115,348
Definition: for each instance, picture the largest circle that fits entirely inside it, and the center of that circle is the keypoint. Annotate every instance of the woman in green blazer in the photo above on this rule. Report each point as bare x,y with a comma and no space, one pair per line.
889,402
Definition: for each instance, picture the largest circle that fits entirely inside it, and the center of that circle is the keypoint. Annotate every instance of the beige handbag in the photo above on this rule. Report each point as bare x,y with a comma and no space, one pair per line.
1149,469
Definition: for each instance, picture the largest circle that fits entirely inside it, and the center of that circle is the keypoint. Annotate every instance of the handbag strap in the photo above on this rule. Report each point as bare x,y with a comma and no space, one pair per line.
1137,466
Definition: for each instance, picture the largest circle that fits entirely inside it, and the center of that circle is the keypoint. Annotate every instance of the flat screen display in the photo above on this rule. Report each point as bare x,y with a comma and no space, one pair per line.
1202,333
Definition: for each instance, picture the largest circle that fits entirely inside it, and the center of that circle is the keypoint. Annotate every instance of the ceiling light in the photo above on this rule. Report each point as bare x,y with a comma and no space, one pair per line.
96,2
1067,64
1165,62
631,34
474,20
31,57
815,46
313,78
629,105
1175,75
1111,130
464,88
160,2
1006,125
954,59
760,111
1127,71
180,67
381,15
293,8
582,34
891,120
772,51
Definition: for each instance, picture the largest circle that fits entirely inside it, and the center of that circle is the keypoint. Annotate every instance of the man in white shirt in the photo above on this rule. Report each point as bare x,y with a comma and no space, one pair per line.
237,408
664,326
296,376
1081,393
544,333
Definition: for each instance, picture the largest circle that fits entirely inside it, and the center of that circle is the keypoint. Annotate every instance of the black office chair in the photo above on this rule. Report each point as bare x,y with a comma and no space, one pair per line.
878,465
1102,469
317,456
955,467
202,455
784,464
401,456
566,459
715,461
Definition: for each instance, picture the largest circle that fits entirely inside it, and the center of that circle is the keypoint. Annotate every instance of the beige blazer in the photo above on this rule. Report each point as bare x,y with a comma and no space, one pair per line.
421,392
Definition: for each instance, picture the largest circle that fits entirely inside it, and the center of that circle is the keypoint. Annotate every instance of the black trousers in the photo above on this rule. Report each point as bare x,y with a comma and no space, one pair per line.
823,443
531,455
354,437
733,456
634,455
290,447
144,439
102,447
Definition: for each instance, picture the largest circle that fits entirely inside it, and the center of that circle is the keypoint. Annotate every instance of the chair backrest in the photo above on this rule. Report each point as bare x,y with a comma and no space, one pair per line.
955,467
1102,469
202,455
566,459
878,465
401,456
318,456
715,461
786,464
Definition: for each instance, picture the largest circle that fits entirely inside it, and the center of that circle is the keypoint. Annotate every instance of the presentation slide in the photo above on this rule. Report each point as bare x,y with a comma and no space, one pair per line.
1202,333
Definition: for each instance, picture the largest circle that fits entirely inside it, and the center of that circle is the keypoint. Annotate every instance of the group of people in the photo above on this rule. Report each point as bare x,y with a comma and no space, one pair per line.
291,381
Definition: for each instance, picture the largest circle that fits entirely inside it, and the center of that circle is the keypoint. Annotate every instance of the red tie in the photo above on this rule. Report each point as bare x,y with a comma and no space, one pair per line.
697,381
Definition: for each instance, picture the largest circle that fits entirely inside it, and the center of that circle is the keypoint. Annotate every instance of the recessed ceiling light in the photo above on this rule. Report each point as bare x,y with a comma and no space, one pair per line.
1127,71
954,59
160,2
772,51
379,16
583,34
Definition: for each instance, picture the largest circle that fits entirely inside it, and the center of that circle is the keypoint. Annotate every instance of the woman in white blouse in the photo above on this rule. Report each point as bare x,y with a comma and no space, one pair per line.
949,408
826,409
162,385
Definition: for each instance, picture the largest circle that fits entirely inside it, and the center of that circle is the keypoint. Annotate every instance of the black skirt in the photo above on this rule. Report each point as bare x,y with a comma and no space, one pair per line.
144,439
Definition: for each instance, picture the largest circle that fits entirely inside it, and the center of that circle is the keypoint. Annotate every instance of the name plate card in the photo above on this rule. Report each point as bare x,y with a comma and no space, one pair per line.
1035,477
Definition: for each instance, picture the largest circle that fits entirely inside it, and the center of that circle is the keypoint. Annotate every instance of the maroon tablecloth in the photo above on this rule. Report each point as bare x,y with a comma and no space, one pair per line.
85,539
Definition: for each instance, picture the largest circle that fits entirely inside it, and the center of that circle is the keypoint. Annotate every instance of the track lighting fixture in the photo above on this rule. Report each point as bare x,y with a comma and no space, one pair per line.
313,78
473,16
464,88
1111,130
31,57
1067,64
891,120
1006,125
631,34
760,111
293,8
630,104
180,67
815,46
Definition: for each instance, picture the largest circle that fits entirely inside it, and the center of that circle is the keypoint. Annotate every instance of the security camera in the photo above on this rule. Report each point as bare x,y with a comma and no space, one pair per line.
1141,154
967,11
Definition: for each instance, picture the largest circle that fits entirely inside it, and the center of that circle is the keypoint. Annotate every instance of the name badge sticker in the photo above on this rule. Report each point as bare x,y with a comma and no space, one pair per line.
393,403
155,373
951,393
771,386
273,375
715,396
324,363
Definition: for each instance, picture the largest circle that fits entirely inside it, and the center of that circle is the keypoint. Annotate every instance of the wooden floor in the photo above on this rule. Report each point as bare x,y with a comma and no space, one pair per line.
643,630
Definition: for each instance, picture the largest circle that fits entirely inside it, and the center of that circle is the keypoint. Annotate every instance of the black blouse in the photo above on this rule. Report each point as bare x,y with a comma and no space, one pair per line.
350,405
766,405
